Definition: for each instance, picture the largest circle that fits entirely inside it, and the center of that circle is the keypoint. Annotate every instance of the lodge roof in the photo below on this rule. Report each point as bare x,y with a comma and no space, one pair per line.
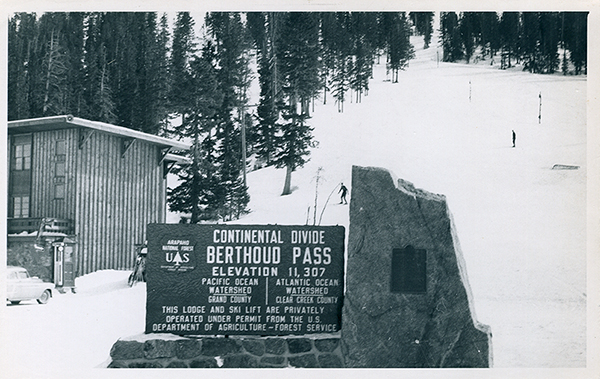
68,121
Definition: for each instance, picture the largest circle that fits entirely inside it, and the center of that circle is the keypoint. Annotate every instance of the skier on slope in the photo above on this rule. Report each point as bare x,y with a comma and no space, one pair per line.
514,137
343,191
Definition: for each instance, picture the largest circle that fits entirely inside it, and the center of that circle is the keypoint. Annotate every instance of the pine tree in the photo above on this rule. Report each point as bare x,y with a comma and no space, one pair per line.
509,37
549,40
489,25
340,80
340,44
22,30
361,71
264,27
400,51
451,39
74,41
55,67
467,24
118,35
162,86
136,66
197,192
298,57
15,70
363,25
575,39
183,48
328,45
141,110
530,41
428,28
45,64
231,56
152,78
98,94
540,41
195,97
305,52
380,36
423,22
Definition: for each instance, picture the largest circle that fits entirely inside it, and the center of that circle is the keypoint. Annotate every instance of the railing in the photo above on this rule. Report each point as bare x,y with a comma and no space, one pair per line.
29,225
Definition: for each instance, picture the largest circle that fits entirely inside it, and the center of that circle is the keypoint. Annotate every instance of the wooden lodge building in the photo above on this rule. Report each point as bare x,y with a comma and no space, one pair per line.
97,182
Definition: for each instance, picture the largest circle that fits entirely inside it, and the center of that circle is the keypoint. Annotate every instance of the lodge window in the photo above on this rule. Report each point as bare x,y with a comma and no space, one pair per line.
60,169
59,191
61,147
21,206
19,189
22,158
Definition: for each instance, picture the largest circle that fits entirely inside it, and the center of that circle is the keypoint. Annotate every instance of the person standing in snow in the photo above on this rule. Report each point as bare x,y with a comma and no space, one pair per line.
343,191
514,137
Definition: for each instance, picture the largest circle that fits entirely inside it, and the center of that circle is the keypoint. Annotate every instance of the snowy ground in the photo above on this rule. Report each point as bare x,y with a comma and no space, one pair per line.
521,225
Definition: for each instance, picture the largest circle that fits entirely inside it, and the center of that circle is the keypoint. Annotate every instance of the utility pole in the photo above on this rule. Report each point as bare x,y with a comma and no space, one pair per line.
244,144
317,193
540,113
469,90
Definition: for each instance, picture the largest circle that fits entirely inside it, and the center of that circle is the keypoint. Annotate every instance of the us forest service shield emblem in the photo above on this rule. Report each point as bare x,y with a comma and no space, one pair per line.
178,255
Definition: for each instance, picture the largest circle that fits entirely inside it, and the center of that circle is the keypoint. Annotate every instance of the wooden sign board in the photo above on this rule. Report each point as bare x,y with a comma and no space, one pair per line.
222,279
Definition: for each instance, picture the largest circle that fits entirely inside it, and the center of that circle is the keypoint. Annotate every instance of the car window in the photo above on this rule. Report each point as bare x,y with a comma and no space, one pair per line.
22,274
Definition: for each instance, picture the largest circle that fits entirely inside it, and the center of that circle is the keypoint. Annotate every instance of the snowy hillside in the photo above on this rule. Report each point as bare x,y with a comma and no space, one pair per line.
520,223
447,129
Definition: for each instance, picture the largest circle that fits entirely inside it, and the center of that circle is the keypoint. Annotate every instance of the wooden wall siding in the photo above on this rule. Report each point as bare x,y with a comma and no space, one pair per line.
109,197
43,165
116,198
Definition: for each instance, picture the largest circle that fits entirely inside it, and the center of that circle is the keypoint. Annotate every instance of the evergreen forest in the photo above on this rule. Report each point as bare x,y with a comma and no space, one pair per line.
151,72
540,42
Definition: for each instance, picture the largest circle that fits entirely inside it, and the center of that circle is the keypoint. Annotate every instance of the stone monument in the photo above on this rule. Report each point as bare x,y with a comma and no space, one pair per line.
407,301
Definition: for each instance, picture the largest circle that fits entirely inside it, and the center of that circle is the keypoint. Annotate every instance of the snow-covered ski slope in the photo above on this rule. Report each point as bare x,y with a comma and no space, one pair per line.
521,225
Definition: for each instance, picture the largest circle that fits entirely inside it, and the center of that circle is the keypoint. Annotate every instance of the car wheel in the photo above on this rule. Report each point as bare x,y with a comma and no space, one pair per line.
15,302
45,297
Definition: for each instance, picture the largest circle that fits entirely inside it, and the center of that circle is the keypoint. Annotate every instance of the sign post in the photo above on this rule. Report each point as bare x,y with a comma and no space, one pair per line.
244,279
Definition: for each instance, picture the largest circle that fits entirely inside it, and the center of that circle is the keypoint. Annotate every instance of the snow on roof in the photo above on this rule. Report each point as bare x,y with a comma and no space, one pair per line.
68,121
34,234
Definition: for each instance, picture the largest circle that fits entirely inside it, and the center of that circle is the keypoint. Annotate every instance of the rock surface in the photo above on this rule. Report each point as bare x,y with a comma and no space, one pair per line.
161,350
381,328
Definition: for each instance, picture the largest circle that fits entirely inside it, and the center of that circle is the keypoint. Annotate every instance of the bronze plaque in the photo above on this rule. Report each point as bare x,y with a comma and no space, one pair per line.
409,270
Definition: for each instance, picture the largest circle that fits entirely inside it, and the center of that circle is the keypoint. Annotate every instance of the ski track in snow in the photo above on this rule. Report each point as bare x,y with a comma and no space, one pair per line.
521,225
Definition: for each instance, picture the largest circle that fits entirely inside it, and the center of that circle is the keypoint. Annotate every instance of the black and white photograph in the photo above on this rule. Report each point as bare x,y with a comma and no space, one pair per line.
300,189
